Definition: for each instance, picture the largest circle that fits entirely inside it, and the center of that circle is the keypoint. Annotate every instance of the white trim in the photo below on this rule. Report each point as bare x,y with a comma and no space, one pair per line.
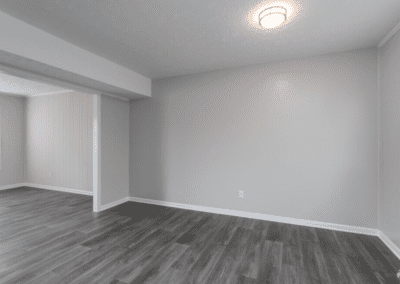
116,97
51,93
66,91
389,244
389,35
266,217
379,143
55,188
114,203
44,79
1,120
13,95
392,235
9,70
96,153
12,186
287,220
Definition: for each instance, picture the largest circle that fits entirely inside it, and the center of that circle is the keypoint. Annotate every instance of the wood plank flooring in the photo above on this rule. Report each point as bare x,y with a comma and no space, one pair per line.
53,237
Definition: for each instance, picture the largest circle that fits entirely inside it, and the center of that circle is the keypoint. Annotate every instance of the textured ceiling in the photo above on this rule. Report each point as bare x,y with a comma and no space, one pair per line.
160,38
18,86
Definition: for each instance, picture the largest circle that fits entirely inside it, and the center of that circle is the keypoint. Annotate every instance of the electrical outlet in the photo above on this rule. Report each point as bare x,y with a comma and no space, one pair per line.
49,174
241,193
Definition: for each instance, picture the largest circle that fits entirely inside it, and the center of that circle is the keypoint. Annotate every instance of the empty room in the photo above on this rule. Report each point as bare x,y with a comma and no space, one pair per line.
200,142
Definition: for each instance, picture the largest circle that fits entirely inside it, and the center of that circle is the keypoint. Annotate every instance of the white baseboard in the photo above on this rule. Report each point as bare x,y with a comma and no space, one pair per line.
392,235
287,220
389,244
62,189
266,217
114,203
12,186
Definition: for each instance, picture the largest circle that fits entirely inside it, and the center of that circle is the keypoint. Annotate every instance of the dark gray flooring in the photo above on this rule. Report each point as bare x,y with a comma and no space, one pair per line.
52,237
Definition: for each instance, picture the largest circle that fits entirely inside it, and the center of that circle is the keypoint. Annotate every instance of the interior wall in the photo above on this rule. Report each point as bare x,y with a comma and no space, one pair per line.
114,149
59,137
299,137
12,133
389,71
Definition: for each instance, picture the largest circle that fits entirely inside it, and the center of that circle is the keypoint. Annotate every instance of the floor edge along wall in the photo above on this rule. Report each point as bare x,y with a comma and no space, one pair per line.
265,217
287,220
55,188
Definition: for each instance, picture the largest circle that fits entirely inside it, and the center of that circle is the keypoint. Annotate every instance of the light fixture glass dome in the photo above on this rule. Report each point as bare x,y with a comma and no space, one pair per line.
272,17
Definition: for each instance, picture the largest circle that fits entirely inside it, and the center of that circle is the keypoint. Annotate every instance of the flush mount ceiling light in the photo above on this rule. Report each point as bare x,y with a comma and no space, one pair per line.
272,17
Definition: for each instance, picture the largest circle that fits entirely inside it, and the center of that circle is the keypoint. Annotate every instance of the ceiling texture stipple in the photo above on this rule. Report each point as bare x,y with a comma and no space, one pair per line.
158,38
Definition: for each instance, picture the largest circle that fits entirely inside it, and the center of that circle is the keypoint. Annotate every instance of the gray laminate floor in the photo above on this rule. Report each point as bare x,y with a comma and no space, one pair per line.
52,237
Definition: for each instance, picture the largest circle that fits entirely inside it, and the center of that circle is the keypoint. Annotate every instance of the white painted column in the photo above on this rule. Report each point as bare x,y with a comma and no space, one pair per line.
96,153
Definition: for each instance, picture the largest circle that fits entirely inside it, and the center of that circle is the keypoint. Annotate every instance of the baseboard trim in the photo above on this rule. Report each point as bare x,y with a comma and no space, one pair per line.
114,203
287,220
389,244
266,217
62,189
10,186
392,235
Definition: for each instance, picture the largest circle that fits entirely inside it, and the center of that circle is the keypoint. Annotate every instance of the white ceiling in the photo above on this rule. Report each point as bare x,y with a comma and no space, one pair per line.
162,38
18,86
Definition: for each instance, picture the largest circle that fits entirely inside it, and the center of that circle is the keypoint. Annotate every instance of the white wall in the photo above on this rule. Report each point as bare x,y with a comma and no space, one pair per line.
389,83
300,137
59,140
114,149
12,133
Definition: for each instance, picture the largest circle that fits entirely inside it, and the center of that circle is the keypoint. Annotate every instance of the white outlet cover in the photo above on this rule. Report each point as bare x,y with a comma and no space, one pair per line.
240,193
